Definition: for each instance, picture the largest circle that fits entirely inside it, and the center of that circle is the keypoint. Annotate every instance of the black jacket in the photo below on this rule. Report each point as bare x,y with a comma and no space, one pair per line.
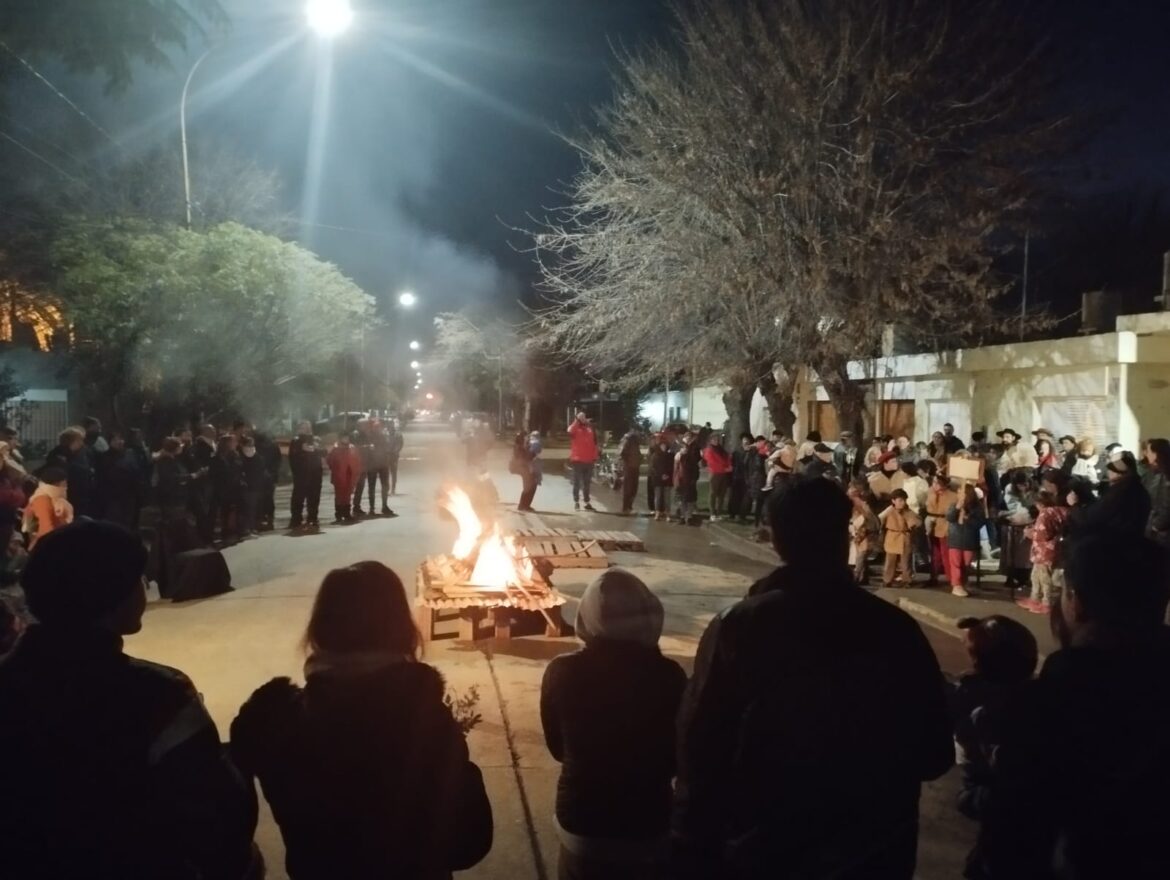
113,768
171,482
306,465
1124,507
608,712
815,712
367,774
82,491
1083,768
661,468
268,451
227,475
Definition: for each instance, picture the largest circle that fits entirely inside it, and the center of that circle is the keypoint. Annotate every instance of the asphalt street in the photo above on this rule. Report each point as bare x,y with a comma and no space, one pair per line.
233,643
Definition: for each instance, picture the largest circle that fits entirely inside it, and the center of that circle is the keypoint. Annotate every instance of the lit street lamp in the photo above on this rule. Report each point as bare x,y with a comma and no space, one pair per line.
407,299
414,345
328,18
414,365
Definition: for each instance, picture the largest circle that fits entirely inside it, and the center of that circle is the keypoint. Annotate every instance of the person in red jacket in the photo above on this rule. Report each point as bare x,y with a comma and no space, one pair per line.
718,462
582,457
345,465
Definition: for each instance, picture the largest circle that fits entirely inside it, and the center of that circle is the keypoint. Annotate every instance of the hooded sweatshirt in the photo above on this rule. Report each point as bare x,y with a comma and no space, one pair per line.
608,712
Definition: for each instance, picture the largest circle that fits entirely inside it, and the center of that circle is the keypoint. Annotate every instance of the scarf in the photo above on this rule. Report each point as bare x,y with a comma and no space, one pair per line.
351,663
62,509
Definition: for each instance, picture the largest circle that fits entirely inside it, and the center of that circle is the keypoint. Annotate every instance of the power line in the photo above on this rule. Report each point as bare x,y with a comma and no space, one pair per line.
6,136
36,73
44,140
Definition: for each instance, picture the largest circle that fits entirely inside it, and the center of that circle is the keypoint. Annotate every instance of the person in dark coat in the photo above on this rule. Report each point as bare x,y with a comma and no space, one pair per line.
1083,764
662,477
203,497
737,504
71,456
254,473
366,770
608,712
520,464
821,463
363,445
268,451
176,534
1157,483
306,460
114,767
1124,506
120,483
380,467
630,455
397,441
686,477
815,712
227,477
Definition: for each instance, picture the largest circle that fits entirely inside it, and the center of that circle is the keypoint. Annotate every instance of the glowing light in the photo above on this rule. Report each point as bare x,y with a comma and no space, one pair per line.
407,299
430,396
414,346
499,561
329,18
414,365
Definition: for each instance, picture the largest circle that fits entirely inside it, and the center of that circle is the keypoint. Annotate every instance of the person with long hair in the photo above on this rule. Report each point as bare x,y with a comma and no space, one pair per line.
365,768
1157,483
521,465
965,518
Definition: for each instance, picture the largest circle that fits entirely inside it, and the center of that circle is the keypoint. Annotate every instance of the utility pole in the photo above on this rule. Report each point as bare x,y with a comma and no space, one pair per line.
1024,298
666,403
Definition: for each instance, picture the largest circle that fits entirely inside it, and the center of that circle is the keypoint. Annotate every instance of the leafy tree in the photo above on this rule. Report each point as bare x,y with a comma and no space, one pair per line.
226,315
788,181
482,356
105,37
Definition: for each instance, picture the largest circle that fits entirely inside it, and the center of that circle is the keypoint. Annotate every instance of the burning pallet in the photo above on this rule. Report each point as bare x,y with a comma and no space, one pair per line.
603,540
485,573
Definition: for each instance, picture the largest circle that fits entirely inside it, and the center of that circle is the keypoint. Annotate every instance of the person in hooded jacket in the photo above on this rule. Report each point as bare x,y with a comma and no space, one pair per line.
630,454
306,460
254,471
365,768
662,477
815,713
608,712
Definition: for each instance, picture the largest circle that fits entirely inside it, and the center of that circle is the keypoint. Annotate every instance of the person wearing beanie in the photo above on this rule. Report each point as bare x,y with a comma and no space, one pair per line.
120,772
608,712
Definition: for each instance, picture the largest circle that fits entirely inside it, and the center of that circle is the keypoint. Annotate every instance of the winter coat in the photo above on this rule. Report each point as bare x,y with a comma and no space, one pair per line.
978,706
380,456
582,443
608,712
965,535
345,466
119,480
815,712
1123,507
718,460
1047,536
630,452
755,469
1158,528
848,460
661,467
1083,767
170,481
255,474
118,766
306,458
227,475
268,451
686,466
80,477
366,771
396,443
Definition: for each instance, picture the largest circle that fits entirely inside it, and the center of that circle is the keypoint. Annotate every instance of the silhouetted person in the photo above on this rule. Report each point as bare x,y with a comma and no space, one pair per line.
1083,767
200,457
306,460
119,479
365,768
608,712
113,767
815,712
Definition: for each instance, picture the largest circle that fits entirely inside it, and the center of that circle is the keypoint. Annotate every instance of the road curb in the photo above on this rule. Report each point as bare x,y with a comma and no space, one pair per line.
925,611
736,544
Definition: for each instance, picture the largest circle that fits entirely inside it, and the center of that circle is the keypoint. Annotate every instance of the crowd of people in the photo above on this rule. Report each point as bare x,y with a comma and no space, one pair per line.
1022,500
797,748
197,489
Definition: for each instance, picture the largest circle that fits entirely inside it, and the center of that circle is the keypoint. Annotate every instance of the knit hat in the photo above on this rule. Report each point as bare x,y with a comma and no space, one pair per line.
81,572
619,607
1004,650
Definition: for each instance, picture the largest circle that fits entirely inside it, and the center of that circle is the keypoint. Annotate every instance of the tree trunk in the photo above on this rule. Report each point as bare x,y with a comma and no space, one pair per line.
738,402
848,398
778,387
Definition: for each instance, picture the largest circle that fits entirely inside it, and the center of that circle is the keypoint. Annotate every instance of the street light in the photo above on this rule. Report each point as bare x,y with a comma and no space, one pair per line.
414,345
329,18
414,365
407,299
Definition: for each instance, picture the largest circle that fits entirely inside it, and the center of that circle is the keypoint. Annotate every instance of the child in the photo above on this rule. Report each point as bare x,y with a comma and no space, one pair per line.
48,508
1046,534
938,501
344,466
1003,658
863,528
899,522
965,519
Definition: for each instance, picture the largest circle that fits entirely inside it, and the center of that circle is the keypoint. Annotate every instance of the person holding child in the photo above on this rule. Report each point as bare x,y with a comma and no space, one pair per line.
898,522
49,508
965,519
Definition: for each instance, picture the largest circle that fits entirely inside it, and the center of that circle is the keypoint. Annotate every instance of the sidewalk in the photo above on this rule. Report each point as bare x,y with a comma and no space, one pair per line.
933,605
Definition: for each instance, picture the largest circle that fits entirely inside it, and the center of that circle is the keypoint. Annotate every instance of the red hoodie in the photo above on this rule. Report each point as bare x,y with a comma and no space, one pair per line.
718,460
582,443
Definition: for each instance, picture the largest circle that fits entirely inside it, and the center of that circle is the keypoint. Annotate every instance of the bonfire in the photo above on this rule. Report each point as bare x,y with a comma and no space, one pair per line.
486,558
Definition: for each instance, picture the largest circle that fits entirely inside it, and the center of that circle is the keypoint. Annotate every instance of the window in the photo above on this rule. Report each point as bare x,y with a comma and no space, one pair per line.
1079,417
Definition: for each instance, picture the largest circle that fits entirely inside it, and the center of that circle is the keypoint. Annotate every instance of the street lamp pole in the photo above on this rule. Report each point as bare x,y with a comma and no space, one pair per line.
183,129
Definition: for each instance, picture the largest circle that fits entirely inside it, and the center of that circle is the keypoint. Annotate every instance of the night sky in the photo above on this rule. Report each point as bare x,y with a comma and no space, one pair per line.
441,117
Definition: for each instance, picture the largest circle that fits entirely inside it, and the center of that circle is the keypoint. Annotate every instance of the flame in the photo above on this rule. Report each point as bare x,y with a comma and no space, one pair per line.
499,561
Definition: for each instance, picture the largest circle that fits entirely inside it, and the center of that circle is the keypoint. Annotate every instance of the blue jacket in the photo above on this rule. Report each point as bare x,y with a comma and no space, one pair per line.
964,535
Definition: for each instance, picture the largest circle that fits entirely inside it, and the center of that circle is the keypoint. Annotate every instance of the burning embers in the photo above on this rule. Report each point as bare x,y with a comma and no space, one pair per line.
493,562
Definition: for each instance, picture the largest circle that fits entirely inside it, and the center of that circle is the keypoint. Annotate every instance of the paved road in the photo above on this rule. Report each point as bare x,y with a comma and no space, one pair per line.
233,643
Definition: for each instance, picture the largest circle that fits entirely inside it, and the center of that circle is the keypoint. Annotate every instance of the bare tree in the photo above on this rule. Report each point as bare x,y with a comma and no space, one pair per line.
789,180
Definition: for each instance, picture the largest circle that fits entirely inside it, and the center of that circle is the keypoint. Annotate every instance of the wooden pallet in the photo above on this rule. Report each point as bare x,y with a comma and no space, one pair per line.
446,607
605,540
565,552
